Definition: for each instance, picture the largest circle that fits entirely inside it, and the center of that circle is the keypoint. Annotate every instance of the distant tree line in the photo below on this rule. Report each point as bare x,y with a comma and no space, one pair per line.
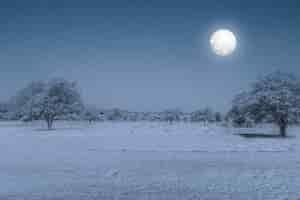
59,99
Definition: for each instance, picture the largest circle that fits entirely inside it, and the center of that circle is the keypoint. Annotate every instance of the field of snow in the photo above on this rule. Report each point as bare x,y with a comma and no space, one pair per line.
143,160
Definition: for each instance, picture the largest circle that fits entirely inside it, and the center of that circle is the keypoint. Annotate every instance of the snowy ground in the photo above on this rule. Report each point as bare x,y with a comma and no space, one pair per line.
145,161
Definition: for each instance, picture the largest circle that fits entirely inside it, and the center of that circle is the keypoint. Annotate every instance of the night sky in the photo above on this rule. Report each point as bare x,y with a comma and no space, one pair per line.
147,55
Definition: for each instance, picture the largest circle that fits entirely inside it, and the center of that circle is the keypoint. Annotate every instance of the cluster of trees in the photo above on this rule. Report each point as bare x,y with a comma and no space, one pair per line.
206,115
170,115
274,98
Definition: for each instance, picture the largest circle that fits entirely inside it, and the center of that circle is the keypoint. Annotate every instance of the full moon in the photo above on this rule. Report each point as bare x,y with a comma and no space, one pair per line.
223,42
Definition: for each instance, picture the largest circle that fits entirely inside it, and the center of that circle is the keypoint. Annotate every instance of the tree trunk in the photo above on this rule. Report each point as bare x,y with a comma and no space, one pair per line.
49,123
283,130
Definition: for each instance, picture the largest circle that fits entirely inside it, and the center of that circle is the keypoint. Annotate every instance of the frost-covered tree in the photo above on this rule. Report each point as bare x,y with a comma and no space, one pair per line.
204,115
171,115
50,100
115,114
274,98
60,98
91,113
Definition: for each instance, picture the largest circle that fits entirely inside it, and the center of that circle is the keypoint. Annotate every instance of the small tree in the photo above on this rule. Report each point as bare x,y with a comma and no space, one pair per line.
91,113
115,115
275,98
204,115
171,115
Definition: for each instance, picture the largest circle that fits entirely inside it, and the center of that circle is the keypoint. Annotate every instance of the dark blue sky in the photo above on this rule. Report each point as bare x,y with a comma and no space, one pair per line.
149,55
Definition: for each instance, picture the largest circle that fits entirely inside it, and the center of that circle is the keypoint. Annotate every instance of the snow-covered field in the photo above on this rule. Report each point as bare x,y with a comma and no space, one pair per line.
143,160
